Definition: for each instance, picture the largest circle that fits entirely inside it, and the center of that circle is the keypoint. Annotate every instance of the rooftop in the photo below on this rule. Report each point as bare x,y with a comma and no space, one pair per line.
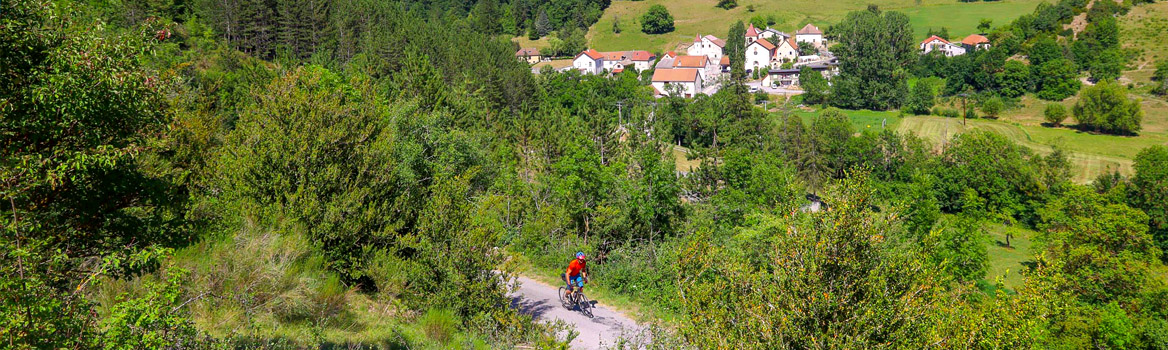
675,75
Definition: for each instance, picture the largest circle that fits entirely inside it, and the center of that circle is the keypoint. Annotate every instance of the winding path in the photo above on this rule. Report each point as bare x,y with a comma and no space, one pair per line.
541,300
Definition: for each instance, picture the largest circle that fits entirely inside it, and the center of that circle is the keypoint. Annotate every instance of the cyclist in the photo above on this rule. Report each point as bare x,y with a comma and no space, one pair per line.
577,273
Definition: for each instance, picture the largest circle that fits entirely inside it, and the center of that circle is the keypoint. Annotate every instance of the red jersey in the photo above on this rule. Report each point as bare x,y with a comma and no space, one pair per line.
575,267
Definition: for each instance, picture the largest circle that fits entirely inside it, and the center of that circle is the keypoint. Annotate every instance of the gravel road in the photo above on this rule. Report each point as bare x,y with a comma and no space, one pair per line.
541,300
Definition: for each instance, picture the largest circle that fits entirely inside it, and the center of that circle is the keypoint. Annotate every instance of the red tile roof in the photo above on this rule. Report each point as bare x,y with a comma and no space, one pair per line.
931,38
716,41
591,53
531,51
725,61
974,39
675,75
630,55
641,55
765,44
751,32
690,61
809,29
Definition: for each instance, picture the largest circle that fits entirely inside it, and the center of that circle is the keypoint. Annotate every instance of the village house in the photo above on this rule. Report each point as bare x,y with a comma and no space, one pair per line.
758,54
589,62
810,34
936,43
774,35
703,64
786,51
685,82
530,55
617,61
975,42
594,62
709,46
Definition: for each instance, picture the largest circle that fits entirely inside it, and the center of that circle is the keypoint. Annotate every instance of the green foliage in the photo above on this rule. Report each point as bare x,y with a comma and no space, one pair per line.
1105,246
1057,80
921,100
151,321
727,4
960,249
87,194
1054,114
826,280
1014,80
439,324
1106,107
1160,78
992,107
1149,191
816,91
874,50
657,20
1107,66
986,173
616,28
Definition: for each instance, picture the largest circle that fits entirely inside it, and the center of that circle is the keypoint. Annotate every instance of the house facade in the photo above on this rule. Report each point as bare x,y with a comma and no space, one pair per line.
707,68
530,55
936,43
709,46
975,42
786,51
810,34
685,82
758,55
589,62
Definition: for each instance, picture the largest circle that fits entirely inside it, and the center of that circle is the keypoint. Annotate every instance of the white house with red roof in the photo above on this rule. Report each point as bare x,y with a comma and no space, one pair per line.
685,82
785,51
709,46
589,62
810,34
758,54
619,60
708,69
976,42
936,43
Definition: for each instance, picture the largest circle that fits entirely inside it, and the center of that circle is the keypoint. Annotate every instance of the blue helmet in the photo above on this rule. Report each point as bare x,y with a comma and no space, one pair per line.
579,255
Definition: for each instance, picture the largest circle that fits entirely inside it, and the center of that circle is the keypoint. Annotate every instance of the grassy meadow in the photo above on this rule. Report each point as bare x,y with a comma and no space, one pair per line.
1008,263
701,17
1142,30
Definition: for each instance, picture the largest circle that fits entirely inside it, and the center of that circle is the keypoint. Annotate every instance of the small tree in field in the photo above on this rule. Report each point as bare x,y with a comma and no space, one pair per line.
1055,114
1105,107
992,107
657,20
727,4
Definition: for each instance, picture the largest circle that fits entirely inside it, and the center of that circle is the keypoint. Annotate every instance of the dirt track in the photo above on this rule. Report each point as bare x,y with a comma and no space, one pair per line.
541,300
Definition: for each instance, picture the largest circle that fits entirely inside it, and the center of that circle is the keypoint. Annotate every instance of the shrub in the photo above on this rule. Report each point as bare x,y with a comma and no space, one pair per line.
439,324
657,20
1105,107
992,107
946,112
727,4
1160,78
1055,114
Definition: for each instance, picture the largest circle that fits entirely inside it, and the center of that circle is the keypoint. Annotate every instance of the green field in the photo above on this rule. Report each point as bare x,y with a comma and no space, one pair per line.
1143,30
862,119
1008,262
701,17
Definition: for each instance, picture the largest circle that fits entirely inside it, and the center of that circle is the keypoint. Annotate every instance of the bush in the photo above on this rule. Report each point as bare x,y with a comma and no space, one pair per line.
657,20
727,4
1161,79
946,112
1055,114
439,324
992,107
1105,107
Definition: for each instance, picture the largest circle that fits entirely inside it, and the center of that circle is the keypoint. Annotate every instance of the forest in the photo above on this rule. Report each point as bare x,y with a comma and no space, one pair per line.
194,174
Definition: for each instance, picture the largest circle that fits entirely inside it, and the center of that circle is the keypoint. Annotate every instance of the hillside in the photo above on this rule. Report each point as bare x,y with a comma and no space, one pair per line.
700,16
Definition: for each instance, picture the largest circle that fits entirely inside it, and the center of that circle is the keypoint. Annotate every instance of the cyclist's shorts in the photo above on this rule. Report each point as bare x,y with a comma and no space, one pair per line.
577,281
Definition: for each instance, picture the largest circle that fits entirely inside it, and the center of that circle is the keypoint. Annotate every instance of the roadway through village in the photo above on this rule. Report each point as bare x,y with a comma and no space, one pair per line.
542,301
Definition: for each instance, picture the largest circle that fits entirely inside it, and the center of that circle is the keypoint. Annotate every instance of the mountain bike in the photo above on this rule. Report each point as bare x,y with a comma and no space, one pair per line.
577,300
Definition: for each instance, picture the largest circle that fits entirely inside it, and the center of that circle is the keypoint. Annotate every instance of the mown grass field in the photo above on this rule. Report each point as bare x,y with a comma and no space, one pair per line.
1008,262
700,16
862,119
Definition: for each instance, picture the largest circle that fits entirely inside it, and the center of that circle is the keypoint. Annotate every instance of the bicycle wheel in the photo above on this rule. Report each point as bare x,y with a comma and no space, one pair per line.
584,305
563,300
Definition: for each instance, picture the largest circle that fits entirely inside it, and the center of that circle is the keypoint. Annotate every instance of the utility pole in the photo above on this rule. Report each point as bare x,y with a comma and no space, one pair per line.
619,116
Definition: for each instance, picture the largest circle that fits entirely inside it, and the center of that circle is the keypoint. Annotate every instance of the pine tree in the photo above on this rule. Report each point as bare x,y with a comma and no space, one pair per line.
542,27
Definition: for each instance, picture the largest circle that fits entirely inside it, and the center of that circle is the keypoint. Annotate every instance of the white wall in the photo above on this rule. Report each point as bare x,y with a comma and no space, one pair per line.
587,65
